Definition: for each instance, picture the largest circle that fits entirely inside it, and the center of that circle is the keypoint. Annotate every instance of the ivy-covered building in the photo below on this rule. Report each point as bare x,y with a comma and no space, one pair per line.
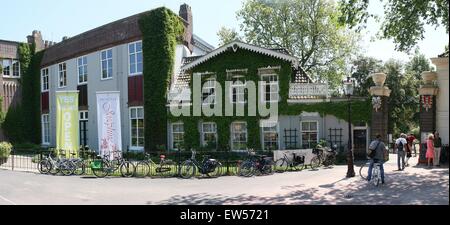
307,113
113,57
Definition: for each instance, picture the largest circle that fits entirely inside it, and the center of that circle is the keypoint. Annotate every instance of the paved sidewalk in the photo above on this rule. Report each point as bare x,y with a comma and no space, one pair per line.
415,185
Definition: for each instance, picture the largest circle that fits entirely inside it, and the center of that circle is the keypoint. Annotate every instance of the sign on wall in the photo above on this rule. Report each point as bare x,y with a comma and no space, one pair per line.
67,122
108,122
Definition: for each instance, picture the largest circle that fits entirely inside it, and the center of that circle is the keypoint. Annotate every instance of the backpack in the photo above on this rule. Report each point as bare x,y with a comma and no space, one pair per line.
400,146
373,152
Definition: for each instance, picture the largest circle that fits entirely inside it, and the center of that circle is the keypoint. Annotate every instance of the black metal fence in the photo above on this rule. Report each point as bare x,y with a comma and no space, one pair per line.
27,160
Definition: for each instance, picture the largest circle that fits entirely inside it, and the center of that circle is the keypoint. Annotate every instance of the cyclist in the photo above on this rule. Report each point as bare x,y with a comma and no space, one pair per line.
378,146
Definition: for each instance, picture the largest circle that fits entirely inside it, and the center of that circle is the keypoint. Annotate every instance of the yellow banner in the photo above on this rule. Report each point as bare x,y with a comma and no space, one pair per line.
67,136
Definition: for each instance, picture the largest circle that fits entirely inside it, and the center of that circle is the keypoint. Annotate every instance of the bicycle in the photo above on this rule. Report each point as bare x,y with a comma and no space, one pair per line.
208,166
376,174
54,166
321,158
104,166
284,163
256,165
163,169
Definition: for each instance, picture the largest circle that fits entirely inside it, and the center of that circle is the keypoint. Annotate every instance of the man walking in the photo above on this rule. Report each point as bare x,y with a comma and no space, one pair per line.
437,148
400,145
378,146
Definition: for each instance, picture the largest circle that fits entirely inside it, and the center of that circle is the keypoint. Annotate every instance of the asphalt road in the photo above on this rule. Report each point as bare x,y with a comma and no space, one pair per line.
415,185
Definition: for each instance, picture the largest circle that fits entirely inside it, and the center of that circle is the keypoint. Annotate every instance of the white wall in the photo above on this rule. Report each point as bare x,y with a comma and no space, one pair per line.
442,99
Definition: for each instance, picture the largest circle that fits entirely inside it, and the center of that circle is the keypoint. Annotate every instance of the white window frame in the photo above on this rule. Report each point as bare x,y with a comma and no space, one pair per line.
82,70
177,132
271,84
10,70
62,73
232,133
45,126
309,131
133,147
45,83
135,55
106,60
209,132
15,62
209,88
277,130
237,87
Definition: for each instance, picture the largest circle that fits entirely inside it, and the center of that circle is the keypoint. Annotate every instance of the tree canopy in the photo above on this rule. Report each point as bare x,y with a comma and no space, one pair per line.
308,29
227,35
404,19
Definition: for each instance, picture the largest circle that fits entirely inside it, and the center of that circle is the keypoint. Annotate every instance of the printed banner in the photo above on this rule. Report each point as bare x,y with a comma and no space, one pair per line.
108,121
67,136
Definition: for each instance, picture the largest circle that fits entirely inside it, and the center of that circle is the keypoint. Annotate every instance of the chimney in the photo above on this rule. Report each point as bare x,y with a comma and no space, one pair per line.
186,14
36,39
65,38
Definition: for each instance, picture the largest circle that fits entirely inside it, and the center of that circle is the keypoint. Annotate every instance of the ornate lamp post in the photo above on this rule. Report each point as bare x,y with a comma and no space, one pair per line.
348,90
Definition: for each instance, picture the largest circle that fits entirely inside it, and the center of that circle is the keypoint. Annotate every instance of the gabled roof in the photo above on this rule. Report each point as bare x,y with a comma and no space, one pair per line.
236,45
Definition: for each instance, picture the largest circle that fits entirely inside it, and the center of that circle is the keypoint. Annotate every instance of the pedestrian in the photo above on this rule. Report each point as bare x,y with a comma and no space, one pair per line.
378,146
409,147
400,145
437,144
430,150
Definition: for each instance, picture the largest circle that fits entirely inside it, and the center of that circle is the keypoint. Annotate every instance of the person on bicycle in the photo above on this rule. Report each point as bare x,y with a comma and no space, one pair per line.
378,146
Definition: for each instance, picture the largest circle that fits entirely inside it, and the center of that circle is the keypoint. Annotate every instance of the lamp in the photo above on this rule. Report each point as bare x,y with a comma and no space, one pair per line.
348,91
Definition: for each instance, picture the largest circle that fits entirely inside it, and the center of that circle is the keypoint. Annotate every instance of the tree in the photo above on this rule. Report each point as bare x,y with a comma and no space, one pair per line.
227,35
364,66
404,19
309,29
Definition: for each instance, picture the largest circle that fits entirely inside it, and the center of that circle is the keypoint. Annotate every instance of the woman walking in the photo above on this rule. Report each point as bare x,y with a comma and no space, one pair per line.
430,150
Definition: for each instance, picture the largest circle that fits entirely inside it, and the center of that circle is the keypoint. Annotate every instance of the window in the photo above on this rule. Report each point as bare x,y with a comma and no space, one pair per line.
45,129
309,134
239,136
209,135
137,127
62,75
270,88
44,80
237,89
84,128
16,68
177,135
106,62
270,135
208,91
82,70
135,56
6,64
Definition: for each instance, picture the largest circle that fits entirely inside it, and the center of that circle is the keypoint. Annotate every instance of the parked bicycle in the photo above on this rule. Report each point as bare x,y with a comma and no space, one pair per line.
55,166
323,156
208,166
104,166
284,163
256,165
165,167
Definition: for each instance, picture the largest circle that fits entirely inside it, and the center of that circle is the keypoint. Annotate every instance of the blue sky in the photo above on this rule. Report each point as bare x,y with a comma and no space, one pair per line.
56,18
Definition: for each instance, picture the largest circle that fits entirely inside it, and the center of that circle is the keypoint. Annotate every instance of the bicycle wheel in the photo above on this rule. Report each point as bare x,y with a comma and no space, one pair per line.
187,169
246,169
315,162
44,166
268,168
166,169
67,168
363,171
281,165
54,169
80,168
103,171
142,169
217,171
299,166
127,169
375,177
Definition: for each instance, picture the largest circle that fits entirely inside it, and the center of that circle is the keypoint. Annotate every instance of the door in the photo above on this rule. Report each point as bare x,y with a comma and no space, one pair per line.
360,144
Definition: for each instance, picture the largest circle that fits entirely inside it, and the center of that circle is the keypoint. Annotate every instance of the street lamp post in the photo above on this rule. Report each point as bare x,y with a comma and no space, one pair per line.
348,89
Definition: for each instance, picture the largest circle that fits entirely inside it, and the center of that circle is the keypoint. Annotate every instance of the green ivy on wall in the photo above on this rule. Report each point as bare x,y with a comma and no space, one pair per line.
22,122
243,59
160,29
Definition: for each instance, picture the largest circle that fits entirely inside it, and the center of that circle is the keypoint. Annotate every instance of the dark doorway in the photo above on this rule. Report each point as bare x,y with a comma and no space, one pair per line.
360,144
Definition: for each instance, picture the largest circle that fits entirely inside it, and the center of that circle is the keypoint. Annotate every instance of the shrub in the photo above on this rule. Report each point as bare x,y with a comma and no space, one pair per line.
5,150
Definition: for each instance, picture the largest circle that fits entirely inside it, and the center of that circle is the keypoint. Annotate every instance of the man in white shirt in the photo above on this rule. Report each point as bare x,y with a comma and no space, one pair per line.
400,145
